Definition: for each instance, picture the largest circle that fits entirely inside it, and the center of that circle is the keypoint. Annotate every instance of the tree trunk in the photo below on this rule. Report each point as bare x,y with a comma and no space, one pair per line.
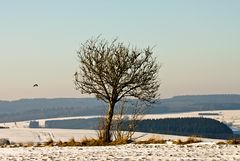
107,135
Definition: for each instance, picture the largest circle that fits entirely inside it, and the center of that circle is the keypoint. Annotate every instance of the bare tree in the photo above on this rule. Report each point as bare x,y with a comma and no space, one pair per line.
112,71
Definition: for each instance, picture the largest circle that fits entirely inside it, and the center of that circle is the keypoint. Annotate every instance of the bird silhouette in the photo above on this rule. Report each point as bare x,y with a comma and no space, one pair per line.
35,85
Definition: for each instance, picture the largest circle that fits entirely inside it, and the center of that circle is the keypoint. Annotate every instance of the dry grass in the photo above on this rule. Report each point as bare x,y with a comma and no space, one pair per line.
153,140
234,141
178,142
71,142
87,142
92,142
121,140
30,144
50,142
100,142
221,143
84,142
229,142
190,140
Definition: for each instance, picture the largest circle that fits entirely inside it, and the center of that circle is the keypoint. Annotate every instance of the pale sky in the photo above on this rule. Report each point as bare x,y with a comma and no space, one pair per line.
196,41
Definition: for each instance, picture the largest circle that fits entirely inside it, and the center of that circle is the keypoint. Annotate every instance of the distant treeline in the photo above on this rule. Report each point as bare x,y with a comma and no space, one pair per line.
203,127
208,114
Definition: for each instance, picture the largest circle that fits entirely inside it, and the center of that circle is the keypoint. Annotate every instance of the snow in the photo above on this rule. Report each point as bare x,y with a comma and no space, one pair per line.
39,135
206,150
28,135
153,152
25,124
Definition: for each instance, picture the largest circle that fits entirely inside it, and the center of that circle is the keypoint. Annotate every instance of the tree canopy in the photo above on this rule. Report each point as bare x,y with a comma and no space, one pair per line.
112,71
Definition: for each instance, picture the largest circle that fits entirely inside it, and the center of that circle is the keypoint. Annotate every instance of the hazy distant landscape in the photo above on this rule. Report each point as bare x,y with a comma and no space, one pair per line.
121,80
32,109
82,113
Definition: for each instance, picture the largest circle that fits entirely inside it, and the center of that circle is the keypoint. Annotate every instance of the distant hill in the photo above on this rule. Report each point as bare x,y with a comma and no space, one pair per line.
197,103
30,109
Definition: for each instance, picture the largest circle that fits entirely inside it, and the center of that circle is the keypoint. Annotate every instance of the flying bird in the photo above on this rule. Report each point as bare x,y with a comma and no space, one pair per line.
35,85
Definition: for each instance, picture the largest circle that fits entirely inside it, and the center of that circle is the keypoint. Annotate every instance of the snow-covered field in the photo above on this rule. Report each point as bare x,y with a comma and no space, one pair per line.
151,152
28,135
206,150
25,124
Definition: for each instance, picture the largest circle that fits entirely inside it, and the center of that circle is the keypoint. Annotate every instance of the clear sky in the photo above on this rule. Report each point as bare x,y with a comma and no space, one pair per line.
197,42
